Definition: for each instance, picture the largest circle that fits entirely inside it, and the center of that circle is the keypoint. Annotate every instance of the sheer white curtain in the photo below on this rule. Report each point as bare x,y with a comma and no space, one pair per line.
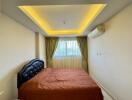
67,54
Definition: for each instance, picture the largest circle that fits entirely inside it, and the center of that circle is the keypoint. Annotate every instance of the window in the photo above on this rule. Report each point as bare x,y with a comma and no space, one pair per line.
67,47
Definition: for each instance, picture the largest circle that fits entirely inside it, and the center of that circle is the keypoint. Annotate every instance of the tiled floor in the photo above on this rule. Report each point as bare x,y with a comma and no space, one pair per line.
106,96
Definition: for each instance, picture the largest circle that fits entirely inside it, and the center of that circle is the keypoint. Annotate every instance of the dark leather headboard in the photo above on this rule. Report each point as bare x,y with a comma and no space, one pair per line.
29,70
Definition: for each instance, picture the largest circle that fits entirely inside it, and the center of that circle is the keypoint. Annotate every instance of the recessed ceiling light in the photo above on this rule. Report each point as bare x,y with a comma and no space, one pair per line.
64,22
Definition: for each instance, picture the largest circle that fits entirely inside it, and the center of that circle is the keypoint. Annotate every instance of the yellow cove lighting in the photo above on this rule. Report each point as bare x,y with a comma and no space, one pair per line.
93,11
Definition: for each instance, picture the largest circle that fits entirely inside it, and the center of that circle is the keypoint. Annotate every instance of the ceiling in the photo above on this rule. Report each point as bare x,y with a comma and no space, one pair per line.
62,16
63,19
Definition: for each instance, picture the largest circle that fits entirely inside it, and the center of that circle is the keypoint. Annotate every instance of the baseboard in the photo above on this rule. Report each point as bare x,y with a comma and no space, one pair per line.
102,87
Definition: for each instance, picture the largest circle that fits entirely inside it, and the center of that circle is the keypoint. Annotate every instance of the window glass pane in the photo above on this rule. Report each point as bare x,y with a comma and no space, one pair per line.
67,48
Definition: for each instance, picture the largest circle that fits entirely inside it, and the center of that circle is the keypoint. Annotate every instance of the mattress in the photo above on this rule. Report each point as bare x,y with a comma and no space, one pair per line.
60,84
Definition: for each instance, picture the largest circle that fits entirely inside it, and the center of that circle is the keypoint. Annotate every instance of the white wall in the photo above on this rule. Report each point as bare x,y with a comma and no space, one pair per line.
42,51
0,6
110,56
17,46
40,47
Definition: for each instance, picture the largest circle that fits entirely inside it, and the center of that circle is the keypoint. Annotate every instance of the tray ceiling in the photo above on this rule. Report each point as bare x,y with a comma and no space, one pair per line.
63,19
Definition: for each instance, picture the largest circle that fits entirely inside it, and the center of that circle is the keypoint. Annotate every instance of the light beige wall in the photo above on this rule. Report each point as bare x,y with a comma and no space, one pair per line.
0,6
40,46
42,52
17,46
110,56
37,44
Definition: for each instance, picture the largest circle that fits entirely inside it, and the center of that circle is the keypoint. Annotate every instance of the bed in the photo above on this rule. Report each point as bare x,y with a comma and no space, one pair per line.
38,83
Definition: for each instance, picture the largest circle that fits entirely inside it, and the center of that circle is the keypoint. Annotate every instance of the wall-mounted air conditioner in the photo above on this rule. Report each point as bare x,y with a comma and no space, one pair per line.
99,30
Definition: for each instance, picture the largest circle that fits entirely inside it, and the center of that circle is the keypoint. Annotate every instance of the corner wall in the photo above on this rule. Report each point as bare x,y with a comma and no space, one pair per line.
42,50
17,46
0,6
40,47
110,56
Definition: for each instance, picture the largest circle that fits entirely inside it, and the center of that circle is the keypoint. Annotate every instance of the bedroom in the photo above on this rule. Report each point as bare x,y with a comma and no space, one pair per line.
108,56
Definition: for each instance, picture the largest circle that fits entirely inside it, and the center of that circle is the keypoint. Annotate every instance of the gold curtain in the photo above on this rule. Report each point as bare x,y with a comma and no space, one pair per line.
51,44
82,42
